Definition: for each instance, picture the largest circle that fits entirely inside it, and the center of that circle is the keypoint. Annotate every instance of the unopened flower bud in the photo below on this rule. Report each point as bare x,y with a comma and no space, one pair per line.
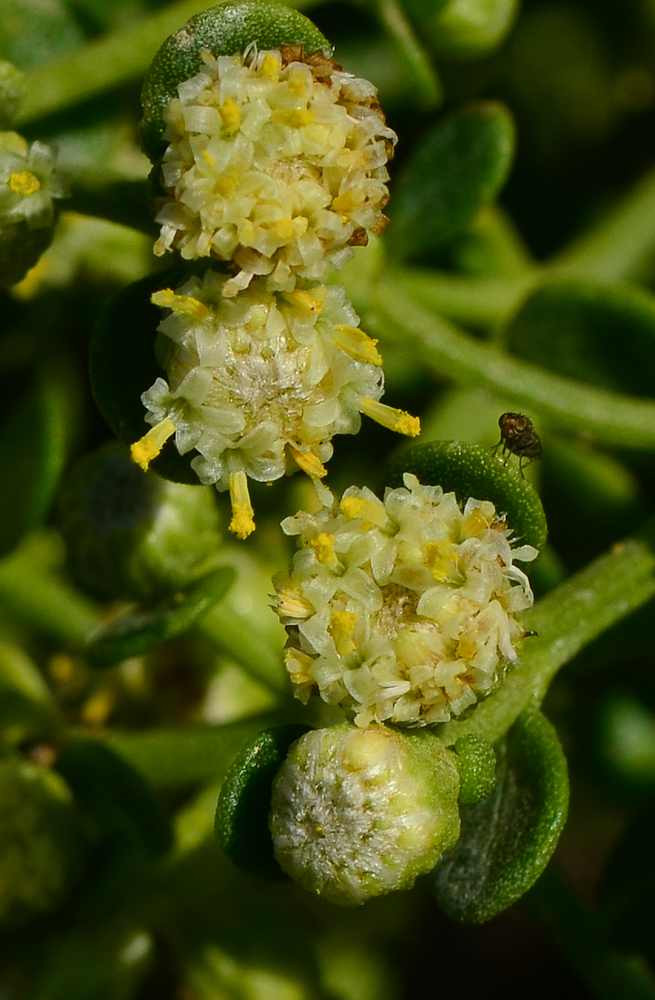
357,813
135,536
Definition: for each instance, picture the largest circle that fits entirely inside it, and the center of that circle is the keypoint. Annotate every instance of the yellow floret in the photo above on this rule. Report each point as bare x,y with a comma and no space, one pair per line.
24,182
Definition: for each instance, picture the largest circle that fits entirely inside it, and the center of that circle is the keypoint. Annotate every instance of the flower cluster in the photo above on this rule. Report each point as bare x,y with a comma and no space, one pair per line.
28,181
275,163
403,610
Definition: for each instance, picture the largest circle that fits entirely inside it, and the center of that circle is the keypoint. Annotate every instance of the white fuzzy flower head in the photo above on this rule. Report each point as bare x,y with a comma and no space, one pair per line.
403,610
28,182
276,161
259,383
361,812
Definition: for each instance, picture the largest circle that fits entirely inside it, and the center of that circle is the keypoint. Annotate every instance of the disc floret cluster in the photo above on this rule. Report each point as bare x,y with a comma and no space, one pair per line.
275,166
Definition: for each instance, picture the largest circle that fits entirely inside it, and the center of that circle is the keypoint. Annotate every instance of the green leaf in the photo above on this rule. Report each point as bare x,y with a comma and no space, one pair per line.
225,30
33,32
603,335
138,632
459,166
507,840
34,443
476,763
245,801
469,471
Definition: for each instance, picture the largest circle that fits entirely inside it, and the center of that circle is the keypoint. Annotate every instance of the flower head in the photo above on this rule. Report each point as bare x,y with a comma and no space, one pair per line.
403,610
275,161
360,812
28,182
259,383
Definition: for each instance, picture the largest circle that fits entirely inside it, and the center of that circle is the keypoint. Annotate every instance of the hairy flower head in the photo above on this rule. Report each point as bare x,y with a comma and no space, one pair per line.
258,384
275,161
360,812
402,610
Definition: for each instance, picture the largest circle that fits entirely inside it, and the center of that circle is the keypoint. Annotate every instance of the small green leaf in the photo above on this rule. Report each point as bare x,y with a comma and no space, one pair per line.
459,166
138,632
469,471
507,840
225,30
34,441
123,365
245,801
603,335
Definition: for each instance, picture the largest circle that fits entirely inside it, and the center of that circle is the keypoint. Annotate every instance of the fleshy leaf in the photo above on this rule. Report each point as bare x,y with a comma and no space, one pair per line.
603,335
136,632
245,801
469,471
507,840
460,165
225,30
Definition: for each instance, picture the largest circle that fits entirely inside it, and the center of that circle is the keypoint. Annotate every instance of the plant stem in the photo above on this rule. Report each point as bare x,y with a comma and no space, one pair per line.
607,417
566,619
107,62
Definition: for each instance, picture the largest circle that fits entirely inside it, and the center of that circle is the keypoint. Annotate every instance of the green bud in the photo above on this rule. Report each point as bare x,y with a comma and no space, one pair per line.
28,186
130,534
467,29
39,840
357,813
224,30
12,92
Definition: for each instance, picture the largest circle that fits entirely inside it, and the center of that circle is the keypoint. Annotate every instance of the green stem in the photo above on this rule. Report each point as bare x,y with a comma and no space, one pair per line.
607,974
235,635
566,619
107,62
607,417
427,85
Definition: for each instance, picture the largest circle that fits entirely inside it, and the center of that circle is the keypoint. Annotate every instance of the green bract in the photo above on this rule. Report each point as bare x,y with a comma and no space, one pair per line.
469,471
241,823
224,30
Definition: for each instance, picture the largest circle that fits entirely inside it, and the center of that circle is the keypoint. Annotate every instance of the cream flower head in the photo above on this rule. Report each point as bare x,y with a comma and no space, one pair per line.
259,383
276,161
403,610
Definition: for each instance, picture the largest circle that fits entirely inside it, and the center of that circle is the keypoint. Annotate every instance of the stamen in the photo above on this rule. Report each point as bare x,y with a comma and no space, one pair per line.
309,463
184,304
294,117
357,344
149,446
368,510
270,66
292,604
441,558
242,523
305,300
24,182
230,113
341,628
323,548
388,416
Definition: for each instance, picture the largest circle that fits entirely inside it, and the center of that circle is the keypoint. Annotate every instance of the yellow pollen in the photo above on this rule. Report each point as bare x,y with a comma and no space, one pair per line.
297,664
148,447
357,344
388,416
24,182
476,523
441,558
342,627
184,304
309,463
346,202
226,183
323,548
284,229
230,112
270,66
294,117
467,648
209,159
305,300
368,510
242,523
291,604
